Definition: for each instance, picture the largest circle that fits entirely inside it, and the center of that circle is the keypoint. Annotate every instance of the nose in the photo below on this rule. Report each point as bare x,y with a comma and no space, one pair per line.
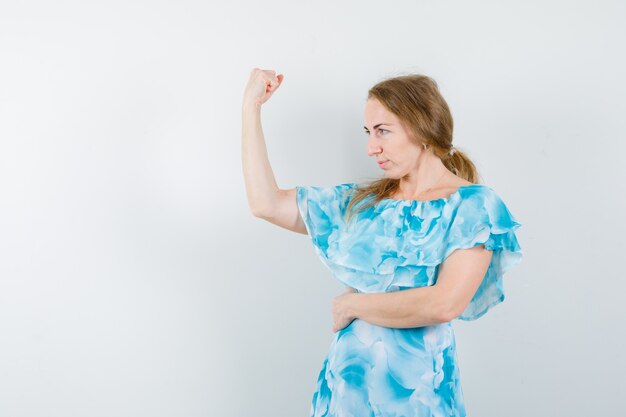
373,147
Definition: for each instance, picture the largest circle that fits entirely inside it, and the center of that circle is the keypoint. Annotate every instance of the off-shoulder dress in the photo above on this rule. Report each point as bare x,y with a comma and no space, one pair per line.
395,245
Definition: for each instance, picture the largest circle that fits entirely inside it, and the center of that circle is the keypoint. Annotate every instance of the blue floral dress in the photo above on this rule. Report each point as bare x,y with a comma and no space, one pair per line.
394,245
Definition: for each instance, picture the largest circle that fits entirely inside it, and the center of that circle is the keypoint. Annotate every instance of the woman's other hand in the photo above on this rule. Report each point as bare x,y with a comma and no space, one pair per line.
342,309
261,85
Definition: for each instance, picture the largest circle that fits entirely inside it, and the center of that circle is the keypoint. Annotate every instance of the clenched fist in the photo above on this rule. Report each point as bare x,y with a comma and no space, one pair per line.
342,309
261,86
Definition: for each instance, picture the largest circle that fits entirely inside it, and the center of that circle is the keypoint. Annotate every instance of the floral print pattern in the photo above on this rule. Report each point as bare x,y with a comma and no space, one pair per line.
395,245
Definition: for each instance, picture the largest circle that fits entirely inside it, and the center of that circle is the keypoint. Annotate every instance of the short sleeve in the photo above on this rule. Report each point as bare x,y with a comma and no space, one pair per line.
322,209
483,218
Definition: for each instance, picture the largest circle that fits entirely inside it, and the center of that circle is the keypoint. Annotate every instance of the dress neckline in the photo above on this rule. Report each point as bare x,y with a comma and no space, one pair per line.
436,200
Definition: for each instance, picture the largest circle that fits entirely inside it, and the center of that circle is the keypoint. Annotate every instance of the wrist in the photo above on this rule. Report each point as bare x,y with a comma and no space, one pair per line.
251,105
354,309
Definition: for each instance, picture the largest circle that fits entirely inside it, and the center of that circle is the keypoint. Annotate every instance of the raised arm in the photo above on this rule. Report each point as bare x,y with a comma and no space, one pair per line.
265,199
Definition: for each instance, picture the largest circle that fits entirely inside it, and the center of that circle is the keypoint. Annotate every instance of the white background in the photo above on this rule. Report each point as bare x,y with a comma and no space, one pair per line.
134,280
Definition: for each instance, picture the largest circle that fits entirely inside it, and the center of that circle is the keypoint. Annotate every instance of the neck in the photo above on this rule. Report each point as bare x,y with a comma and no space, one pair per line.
429,173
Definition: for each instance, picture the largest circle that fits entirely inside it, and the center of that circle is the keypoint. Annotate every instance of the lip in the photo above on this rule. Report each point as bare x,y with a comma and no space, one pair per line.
382,163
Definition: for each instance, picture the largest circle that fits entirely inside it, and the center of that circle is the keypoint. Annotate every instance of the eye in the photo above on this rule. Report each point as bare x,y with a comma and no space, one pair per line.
383,130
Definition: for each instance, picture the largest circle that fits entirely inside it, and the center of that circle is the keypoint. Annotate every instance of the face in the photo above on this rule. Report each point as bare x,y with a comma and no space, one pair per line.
388,142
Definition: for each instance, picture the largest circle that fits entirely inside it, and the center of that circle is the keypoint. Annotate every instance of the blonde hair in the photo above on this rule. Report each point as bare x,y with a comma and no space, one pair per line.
415,99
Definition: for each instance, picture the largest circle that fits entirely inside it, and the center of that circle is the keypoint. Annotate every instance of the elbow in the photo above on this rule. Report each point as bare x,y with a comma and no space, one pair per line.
448,312
448,316
446,305
455,311
259,210
265,208
445,316
256,212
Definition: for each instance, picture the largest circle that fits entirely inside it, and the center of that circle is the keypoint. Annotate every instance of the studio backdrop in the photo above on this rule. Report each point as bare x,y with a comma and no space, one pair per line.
134,279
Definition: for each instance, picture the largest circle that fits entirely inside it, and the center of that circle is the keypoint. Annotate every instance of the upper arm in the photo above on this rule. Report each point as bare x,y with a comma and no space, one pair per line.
459,277
284,212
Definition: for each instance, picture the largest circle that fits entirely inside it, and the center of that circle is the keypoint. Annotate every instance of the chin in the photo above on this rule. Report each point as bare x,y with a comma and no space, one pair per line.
390,176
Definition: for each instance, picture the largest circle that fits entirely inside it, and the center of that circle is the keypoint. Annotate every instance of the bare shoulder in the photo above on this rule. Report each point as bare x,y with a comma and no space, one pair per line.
455,183
464,183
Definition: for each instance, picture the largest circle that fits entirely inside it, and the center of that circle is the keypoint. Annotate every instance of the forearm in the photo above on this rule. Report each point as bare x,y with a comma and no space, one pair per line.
259,179
415,307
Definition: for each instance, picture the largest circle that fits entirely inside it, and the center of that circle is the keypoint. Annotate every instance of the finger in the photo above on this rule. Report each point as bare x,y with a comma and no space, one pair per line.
267,74
270,79
273,85
275,78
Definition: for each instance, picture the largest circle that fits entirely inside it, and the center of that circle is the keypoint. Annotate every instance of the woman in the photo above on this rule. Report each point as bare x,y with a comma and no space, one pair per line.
416,249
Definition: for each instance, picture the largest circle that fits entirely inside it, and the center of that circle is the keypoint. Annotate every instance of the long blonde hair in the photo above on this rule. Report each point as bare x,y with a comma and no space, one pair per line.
415,99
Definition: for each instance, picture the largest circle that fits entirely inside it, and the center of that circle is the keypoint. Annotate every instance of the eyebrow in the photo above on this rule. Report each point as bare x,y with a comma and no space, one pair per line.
379,124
